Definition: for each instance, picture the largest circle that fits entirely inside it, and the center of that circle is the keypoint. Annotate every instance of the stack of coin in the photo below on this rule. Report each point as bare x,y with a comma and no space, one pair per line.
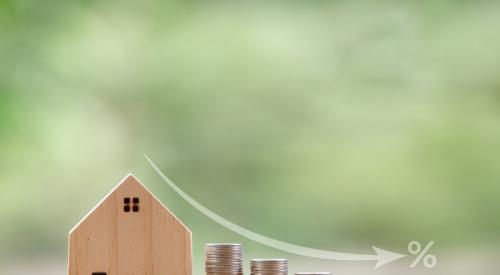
224,258
269,267
313,273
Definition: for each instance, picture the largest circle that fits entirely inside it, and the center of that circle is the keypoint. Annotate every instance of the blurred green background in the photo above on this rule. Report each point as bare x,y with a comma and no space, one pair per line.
330,124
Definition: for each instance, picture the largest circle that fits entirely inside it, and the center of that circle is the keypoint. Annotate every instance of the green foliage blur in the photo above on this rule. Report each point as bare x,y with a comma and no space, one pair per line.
330,124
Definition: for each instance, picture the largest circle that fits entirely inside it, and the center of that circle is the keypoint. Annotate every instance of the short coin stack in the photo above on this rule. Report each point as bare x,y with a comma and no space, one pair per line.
224,258
269,267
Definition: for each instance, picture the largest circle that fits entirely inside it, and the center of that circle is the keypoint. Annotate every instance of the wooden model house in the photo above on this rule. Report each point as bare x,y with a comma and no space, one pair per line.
130,232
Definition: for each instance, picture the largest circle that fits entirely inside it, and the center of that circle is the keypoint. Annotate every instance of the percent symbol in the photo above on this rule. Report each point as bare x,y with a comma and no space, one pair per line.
415,248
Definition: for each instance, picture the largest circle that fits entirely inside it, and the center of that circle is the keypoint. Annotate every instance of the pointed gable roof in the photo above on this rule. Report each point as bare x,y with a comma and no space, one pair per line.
128,182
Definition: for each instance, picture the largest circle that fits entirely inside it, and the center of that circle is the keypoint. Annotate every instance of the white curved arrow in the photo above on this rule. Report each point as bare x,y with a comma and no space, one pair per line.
382,256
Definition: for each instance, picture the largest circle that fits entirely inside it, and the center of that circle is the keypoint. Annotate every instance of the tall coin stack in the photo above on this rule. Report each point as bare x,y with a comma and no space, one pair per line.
224,259
269,267
313,273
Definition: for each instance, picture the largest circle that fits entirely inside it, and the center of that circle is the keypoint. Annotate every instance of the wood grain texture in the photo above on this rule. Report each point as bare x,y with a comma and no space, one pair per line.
151,241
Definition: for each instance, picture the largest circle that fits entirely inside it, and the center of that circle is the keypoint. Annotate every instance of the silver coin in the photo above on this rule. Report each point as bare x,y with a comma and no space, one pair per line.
224,259
313,273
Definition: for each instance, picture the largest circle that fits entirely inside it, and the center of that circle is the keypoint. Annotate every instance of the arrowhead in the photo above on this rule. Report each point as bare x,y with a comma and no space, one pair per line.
385,256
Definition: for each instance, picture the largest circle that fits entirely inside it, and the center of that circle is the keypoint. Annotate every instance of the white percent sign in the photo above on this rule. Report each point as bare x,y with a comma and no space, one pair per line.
415,248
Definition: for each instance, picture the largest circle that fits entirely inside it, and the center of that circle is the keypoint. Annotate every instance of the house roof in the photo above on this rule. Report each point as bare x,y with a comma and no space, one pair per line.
129,181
